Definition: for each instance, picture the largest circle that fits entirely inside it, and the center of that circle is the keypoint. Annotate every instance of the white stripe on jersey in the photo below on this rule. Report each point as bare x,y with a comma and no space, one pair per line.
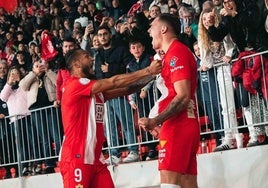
91,138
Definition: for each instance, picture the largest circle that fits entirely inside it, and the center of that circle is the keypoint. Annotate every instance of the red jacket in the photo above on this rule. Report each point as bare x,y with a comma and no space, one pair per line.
252,71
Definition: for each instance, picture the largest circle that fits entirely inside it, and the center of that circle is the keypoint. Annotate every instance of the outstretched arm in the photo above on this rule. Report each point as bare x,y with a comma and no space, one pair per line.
126,83
113,93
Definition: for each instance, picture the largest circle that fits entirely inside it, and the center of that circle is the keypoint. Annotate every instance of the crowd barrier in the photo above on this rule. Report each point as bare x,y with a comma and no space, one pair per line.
35,139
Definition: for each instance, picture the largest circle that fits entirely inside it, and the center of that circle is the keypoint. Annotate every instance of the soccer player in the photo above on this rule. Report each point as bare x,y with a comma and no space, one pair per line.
176,109
81,160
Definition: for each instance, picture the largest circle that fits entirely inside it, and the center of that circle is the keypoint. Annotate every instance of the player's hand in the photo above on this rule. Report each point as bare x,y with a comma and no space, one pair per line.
147,123
155,132
144,123
143,94
155,67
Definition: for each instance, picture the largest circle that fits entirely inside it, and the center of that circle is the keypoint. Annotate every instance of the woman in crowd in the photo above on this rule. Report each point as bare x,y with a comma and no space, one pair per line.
218,55
20,122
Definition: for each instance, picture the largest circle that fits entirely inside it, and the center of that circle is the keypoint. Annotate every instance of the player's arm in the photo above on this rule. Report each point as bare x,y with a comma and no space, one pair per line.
134,87
180,102
126,83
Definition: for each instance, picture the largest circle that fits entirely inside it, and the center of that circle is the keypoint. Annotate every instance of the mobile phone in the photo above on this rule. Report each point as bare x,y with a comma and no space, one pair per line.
90,23
13,71
42,61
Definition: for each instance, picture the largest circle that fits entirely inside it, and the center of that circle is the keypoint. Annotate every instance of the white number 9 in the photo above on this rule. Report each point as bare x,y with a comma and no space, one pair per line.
78,175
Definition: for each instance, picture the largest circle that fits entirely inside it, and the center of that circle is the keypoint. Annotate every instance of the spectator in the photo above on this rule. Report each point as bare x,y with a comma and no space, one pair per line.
79,12
110,22
94,14
68,31
4,154
143,100
56,39
62,35
239,19
9,39
31,48
213,53
173,10
115,11
20,39
217,5
63,74
27,23
68,13
262,30
24,64
13,95
40,84
252,101
35,53
86,43
10,54
208,94
55,19
154,11
162,4
194,4
109,61
93,50
209,5
188,26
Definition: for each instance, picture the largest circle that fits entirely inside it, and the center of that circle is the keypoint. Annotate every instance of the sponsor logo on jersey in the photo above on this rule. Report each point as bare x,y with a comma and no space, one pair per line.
161,155
162,143
174,65
77,155
162,151
99,112
173,61
79,186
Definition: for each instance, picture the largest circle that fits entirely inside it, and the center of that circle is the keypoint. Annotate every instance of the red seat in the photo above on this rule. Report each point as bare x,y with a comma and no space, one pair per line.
203,121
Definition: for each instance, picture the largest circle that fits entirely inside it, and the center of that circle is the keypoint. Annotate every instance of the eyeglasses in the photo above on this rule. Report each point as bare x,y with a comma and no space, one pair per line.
229,1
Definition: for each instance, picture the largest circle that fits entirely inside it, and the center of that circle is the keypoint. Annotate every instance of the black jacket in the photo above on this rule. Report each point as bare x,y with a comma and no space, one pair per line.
242,27
3,105
117,57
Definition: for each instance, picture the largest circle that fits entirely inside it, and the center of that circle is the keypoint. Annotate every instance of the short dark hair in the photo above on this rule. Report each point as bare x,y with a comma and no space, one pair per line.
105,27
69,39
20,52
71,56
135,40
172,21
19,33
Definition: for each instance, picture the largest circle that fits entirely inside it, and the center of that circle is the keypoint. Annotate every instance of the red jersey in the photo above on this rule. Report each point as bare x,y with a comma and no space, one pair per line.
178,64
179,135
82,116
